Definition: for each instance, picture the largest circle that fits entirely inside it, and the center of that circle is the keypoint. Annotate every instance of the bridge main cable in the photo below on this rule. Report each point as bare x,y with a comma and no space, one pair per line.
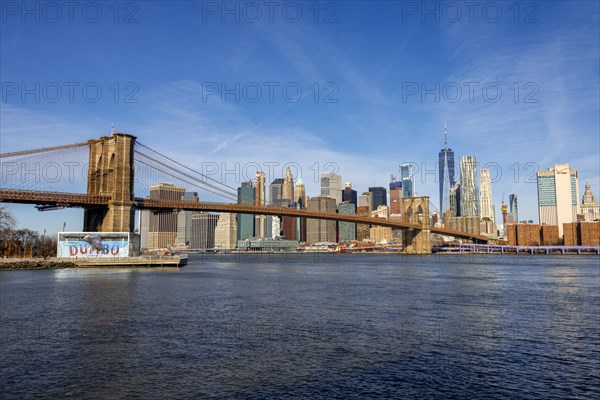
188,168
42,150
226,195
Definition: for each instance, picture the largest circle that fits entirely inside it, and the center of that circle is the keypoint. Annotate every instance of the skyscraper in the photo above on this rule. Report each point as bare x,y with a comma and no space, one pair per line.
349,194
162,226
318,230
261,201
300,193
366,200
331,186
469,192
558,196
288,186
454,199
203,231
226,232
184,221
379,197
407,179
589,208
347,230
245,222
395,197
276,192
487,211
513,206
446,173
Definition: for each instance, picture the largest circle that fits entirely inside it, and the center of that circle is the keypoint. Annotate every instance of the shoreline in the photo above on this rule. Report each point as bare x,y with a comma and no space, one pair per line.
24,264
11,264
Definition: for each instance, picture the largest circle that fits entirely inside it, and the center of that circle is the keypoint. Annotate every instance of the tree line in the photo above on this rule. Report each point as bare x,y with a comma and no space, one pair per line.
22,242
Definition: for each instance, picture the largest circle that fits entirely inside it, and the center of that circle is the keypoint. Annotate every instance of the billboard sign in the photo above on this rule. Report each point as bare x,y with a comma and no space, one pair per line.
93,245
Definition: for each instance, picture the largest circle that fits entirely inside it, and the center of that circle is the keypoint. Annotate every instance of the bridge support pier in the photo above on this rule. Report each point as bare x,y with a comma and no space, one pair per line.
415,210
416,241
110,173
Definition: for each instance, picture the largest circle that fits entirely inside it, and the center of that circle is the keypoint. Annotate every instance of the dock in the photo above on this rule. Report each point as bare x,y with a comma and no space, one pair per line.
140,261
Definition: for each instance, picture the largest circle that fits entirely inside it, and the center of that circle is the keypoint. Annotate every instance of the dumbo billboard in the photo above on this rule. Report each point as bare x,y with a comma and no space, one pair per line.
97,245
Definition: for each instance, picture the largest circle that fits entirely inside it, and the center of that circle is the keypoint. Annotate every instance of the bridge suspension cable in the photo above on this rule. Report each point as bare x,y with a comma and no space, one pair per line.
228,190
188,168
42,150
227,195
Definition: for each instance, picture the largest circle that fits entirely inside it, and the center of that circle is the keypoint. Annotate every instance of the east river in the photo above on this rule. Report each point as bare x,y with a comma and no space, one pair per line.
306,326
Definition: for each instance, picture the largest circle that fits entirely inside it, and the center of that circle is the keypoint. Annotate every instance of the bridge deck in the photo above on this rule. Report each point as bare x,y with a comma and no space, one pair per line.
83,200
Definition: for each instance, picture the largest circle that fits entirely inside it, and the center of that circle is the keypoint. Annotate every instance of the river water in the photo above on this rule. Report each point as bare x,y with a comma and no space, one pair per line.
306,326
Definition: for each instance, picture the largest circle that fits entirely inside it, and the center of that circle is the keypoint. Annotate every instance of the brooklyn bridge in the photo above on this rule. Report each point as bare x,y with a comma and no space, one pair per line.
119,165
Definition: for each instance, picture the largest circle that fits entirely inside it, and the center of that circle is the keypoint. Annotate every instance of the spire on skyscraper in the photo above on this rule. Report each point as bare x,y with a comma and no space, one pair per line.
445,137
446,172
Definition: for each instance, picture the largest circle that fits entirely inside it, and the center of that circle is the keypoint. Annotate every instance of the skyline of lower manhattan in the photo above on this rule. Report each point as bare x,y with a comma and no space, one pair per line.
468,179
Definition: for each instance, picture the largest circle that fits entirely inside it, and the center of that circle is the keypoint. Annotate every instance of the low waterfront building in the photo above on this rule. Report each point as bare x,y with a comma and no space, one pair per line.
532,235
581,233
266,244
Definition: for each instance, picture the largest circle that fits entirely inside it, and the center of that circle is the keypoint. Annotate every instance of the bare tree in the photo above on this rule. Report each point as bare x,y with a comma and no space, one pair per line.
7,220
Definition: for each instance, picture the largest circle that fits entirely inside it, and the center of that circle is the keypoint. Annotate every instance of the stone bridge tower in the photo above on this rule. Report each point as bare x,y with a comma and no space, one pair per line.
110,173
415,210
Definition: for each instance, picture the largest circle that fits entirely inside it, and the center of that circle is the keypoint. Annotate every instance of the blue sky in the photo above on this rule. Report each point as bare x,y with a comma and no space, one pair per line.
377,79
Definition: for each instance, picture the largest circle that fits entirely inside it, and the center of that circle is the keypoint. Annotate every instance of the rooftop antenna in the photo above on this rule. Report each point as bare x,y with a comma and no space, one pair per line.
445,136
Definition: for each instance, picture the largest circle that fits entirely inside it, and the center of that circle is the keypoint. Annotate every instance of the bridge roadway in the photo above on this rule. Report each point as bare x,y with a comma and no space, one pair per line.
83,200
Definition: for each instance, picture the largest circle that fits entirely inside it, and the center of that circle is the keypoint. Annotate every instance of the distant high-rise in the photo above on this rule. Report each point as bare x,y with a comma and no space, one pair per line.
395,197
407,179
331,186
485,181
454,199
349,194
288,186
318,230
184,221
260,200
469,192
226,232
366,200
300,193
379,197
203,231
276,192
446,173
245,222
558,196
347,230
162,227
513,206
589,208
